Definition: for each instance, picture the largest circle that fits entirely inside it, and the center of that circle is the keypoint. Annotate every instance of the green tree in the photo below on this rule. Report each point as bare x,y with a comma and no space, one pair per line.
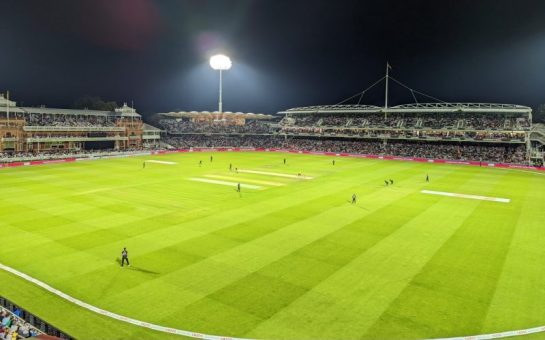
538,116
94,103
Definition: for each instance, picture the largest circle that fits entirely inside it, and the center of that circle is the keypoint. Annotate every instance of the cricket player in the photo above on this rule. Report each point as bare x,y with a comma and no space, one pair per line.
125,257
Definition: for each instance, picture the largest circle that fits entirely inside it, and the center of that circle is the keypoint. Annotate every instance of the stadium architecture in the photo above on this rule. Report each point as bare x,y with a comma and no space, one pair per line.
497,133
43,129
456,131
484,132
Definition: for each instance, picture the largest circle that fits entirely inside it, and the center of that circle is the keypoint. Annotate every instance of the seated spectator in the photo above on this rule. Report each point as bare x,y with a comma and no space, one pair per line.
24,330
6,321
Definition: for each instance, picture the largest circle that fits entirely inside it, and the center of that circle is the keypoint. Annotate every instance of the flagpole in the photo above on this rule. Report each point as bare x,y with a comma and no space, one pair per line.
386,94
386,91
7,106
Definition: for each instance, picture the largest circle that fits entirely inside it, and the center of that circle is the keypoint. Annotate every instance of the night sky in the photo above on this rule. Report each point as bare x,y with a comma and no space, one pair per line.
285,53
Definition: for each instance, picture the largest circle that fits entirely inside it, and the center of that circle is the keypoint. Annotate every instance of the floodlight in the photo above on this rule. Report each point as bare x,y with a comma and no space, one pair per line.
220,62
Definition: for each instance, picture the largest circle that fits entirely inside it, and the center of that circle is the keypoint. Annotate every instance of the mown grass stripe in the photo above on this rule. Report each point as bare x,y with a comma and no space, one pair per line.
157,220
210,223
363,288
295,274
520,286
258,275
242,260
464,272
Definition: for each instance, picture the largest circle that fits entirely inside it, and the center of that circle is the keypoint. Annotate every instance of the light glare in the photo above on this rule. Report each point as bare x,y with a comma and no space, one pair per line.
220,62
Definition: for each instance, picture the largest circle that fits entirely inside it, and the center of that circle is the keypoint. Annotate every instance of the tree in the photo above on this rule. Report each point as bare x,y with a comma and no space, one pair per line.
94,103
538,115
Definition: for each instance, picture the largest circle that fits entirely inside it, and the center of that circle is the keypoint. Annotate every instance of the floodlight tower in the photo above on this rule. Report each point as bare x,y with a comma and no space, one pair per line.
220,63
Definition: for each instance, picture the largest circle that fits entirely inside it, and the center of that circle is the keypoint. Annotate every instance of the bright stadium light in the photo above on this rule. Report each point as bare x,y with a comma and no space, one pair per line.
220,63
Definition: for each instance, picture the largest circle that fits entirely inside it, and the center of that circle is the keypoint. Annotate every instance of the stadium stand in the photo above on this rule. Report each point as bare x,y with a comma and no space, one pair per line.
206,122
537,144
185,126
458,131
16,323
453,131
415,149
59,154
465,121
40,129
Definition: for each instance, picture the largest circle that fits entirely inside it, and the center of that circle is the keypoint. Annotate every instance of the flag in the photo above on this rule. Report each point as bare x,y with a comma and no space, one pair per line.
388,65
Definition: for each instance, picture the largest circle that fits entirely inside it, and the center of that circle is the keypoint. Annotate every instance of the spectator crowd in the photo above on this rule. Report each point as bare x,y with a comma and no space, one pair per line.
504,153
13,327
35,119
486,137
187,126
406,133
7,157
414,121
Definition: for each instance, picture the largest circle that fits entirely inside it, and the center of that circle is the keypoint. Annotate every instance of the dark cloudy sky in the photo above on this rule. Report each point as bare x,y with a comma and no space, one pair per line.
285,52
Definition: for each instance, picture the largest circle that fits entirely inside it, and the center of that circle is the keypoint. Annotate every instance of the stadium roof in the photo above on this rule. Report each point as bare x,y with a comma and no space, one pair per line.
249,115
5,102
124,111
334,109
417,108
469,107
55,111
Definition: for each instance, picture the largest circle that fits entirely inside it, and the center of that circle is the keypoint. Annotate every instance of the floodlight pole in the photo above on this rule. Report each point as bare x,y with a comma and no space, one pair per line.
220,104
220,63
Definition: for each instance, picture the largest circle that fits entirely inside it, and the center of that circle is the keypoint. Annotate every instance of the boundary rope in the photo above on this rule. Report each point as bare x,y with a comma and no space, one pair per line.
114,315
190,334
171,330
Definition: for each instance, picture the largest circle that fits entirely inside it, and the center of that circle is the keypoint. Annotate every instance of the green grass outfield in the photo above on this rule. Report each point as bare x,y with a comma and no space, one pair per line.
290,260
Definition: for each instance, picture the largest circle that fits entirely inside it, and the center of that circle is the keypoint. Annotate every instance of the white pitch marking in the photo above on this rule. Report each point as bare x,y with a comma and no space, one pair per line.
274,174
231,184
473,197
275,184
161,162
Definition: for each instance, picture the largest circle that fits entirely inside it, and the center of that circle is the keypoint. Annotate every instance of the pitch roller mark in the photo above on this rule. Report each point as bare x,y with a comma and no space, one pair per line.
230,178
190,334
161,162
231,184
277,174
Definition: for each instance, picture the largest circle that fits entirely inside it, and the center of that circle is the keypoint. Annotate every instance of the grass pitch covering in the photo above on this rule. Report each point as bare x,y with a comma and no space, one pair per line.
290,259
